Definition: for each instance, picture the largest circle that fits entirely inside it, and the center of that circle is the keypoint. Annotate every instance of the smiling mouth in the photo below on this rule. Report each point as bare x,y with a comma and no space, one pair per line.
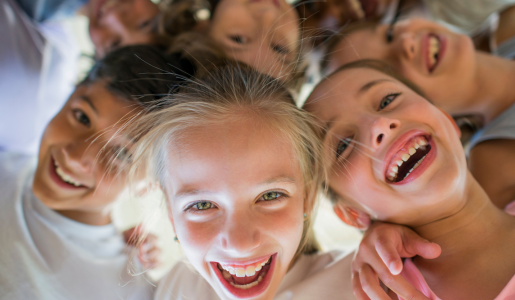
245,276
65,177
407,159
433,52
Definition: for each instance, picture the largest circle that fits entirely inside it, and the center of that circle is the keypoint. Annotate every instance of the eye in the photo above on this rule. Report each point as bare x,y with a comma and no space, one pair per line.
269,196
342,145
202,205
121,153
280,49
81,117
238,39
387,100
144,24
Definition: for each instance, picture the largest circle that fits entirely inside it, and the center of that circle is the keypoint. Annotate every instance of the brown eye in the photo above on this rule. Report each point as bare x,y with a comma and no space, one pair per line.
238,39
203,205
271,196
81,117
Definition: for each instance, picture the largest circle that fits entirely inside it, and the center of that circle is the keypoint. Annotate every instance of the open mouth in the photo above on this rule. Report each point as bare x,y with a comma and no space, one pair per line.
62,178
408,159
433,52
246,280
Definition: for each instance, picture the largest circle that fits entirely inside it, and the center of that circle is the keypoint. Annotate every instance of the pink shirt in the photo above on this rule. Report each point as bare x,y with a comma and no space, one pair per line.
413,275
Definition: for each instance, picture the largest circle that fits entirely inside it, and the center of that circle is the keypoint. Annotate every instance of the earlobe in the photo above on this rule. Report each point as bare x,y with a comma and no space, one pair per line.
351,216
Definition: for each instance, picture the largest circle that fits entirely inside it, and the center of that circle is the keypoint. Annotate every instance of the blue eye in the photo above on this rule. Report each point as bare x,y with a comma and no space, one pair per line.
387,100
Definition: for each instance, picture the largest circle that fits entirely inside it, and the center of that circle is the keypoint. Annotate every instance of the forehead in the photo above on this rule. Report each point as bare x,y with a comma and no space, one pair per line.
366,43
341,92
108,108
229,154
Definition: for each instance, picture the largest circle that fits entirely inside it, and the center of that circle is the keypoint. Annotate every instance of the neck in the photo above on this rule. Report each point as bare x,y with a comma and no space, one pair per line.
494,93
477,218
87,217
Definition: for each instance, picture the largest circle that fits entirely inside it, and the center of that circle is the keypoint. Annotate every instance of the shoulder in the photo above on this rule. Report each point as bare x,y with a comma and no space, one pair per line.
327,276
184,282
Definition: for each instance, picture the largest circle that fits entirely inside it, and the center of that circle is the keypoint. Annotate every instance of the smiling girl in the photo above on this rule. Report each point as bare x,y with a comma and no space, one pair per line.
56,239
458,79
239,165
395,157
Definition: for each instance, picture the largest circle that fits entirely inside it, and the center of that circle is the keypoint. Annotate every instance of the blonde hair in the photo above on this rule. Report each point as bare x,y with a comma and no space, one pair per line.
226,94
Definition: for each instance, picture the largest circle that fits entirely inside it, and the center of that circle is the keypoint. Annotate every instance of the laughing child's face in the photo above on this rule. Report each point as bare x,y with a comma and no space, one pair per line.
74,173
391,154
236,200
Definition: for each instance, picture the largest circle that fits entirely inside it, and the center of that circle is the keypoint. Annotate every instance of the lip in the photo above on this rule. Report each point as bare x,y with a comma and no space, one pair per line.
425,46
254,291
55,178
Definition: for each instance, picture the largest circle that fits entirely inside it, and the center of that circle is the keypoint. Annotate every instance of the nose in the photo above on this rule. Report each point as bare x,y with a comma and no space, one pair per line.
81,155
382,129
407,45
242,235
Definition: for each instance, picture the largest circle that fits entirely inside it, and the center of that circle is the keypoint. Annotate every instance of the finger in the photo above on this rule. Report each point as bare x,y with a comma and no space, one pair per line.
387,251
357,289
414,244
370,284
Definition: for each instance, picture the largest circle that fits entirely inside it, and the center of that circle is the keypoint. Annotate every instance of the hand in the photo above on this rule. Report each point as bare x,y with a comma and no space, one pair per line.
148,251
379,257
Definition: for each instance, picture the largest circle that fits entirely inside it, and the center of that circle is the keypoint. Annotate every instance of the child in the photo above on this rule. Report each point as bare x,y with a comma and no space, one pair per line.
458,79
57,240
239,165
395,157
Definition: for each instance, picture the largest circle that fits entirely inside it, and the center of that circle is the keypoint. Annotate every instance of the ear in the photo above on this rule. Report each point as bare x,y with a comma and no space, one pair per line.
458,131
351,216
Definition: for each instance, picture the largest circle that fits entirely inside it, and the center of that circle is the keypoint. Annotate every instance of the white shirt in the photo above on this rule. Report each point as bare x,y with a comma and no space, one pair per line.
324,276
38,71
467,16
44,255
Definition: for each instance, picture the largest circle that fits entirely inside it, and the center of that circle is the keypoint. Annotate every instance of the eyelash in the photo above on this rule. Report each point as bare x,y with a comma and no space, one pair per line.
280,49
192,207
78,114
394,95
237,39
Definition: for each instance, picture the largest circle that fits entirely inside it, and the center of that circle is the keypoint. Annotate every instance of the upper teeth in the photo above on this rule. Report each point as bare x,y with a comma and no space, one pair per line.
65,177
242,271
403,156
434,49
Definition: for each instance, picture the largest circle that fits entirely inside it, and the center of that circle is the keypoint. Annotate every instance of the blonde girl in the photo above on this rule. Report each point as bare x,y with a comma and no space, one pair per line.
239,165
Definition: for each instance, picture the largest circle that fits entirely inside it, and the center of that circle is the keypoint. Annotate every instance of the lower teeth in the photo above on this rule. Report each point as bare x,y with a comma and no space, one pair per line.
248,285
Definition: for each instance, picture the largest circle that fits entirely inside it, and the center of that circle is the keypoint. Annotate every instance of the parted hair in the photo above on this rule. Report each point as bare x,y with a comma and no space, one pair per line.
227,94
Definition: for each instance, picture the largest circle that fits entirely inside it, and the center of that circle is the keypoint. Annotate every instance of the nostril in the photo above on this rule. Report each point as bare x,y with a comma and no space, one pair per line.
412,49
380,138
393,126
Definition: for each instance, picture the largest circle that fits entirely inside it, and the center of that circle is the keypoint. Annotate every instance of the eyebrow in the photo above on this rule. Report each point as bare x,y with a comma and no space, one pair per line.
369,85
192,192
89,102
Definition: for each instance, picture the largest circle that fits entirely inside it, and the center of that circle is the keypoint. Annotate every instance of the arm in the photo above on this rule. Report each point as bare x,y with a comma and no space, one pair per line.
492,163
379,258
